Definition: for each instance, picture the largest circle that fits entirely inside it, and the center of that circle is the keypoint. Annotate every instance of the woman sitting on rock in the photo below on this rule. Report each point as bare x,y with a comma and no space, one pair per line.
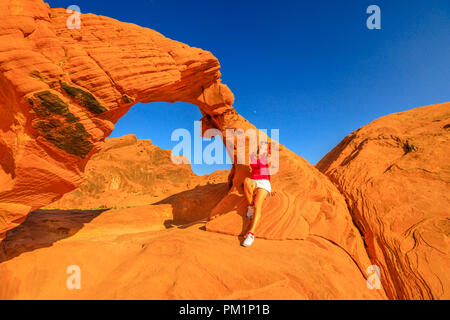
257,188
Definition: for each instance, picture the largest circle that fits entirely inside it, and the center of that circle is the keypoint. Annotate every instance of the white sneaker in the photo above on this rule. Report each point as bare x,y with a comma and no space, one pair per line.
250,211
248,240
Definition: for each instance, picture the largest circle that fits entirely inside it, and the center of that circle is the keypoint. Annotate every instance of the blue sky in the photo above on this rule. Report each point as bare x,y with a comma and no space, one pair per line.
310,68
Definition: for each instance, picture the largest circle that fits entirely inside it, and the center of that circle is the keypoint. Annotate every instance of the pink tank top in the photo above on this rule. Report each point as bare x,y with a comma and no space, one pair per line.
260,167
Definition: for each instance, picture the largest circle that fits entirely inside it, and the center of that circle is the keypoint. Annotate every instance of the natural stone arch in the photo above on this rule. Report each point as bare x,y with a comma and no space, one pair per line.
63,90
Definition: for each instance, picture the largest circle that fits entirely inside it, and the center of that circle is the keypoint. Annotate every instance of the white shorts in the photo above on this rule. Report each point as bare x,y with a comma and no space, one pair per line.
263,184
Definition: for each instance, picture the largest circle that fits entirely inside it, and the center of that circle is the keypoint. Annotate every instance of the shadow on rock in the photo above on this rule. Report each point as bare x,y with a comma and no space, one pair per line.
42,228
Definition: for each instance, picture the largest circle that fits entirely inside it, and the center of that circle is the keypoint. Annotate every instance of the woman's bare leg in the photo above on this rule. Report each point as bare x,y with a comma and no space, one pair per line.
249,189
261,195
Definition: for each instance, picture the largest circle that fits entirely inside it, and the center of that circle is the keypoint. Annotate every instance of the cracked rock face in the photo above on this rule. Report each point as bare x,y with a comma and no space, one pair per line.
395,175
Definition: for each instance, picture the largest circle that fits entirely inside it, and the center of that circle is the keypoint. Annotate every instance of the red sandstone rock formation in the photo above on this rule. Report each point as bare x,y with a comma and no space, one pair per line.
119,250
395,176
63,90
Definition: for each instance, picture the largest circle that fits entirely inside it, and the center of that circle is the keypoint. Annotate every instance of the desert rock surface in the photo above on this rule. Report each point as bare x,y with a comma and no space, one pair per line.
162,250
122,254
